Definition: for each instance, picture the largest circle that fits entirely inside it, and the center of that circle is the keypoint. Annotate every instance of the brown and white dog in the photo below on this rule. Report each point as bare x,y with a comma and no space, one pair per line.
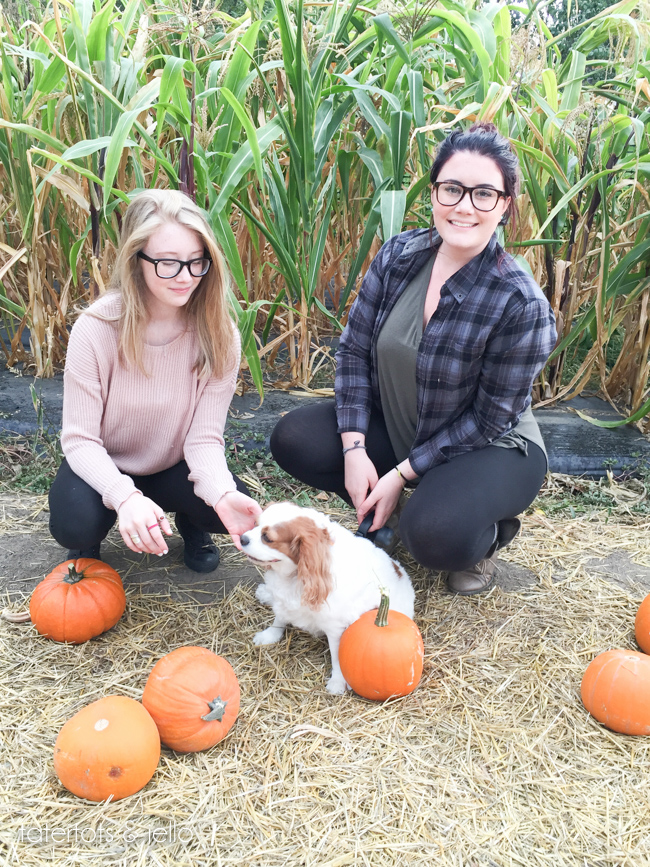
320,577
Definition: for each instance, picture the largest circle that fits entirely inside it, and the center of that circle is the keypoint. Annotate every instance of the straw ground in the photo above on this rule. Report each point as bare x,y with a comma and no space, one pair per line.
491,761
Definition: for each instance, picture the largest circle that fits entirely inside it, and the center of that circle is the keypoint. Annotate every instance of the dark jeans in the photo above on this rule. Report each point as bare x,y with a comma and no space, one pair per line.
79,519
449,521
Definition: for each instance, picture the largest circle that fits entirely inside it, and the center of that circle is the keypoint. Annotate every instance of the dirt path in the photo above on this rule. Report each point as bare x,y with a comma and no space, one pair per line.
28,553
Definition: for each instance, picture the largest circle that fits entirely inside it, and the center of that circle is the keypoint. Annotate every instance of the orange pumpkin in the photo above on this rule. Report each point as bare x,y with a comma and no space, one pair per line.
381,654
111,747
77,601
193,696
642,625
616,691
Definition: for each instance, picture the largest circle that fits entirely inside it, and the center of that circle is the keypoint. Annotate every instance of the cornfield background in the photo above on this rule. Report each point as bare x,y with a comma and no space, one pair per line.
306,130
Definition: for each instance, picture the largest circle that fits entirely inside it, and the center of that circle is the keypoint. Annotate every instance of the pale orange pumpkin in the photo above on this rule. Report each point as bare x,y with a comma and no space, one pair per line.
193,696
642,625
381,654
77,601
110,747
616,691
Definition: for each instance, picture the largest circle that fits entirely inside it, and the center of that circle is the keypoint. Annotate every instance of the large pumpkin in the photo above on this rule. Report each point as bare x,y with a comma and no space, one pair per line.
616,691
193,696
381,654
77,601
110,747
642,625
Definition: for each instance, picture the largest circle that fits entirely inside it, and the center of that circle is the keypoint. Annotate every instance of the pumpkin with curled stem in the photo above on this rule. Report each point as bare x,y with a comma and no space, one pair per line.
616,691
77,601
193,696
381,654
109,748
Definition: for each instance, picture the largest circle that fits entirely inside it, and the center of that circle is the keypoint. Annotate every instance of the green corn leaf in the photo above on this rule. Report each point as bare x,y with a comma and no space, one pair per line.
393,208
145,98
636,416
571,93
85,148
242,161
385,28
249,128
226,239
400,127
97,31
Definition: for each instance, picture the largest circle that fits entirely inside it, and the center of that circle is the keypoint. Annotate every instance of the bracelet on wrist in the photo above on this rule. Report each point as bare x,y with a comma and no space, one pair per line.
399,473
357,445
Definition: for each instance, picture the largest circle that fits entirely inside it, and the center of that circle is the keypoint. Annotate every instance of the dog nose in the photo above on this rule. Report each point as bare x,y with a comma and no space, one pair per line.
244,539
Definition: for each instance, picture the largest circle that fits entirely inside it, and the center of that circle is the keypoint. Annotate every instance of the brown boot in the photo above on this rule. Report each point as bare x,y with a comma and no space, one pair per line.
476,579
479,578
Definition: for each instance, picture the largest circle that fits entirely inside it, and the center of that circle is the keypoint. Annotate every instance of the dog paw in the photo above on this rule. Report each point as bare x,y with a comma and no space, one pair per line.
268,636
263,594
336,685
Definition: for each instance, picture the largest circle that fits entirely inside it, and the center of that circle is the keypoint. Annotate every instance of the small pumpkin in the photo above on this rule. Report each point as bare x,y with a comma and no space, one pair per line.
616,691
77,601
381,654
110,747
642,625
193,696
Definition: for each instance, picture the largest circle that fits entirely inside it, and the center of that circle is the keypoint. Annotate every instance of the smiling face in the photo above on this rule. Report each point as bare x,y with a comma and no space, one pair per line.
170,241
466,231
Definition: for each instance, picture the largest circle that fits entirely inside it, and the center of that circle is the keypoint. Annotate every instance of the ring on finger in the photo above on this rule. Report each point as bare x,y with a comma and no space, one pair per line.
152,526
136,538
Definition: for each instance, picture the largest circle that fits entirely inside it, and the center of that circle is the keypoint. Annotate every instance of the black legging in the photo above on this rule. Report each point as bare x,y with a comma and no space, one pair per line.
79,518
449,521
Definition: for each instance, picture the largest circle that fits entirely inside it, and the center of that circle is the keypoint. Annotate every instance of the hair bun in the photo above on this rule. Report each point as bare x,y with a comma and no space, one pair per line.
483,126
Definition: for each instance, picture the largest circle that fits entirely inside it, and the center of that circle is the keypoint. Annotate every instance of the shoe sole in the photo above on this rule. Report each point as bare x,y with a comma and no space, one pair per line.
483,589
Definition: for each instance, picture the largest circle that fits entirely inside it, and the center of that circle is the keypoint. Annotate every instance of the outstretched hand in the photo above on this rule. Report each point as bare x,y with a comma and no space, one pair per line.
238,514
142,524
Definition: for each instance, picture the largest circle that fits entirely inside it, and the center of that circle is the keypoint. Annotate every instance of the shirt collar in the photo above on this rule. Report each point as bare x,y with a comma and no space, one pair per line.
460,283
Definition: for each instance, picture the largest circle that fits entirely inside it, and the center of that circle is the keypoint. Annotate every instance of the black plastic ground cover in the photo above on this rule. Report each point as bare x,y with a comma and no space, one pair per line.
574,446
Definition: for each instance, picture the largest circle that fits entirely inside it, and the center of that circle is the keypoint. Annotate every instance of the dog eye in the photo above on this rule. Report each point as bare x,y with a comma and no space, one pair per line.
265,537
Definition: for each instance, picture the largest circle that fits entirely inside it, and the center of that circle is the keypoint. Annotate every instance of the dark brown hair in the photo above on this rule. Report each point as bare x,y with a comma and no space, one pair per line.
483,138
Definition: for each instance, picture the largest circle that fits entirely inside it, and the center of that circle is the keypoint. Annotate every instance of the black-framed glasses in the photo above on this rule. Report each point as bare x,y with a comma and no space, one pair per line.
168,268
450,193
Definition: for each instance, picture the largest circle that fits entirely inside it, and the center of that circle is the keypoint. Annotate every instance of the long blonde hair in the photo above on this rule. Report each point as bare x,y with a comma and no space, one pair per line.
207,310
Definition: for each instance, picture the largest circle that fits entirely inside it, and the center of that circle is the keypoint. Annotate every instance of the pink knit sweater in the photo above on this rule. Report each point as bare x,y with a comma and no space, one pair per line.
117,422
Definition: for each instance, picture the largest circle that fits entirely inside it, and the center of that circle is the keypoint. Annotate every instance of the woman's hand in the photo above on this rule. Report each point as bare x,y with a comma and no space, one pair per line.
383,499
238,514
142,524
360,477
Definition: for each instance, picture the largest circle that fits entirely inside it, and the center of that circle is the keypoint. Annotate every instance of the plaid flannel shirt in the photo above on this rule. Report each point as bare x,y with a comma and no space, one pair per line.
489,337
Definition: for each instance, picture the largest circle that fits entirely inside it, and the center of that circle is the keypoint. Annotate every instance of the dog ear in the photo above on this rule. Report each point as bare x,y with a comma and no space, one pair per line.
311,549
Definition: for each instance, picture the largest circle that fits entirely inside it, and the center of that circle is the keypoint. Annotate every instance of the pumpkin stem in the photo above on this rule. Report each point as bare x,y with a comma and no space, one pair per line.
217,709
73,577
382,613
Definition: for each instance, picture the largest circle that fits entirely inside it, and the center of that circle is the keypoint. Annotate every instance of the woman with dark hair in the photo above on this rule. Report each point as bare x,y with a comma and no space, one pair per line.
150,371
434,376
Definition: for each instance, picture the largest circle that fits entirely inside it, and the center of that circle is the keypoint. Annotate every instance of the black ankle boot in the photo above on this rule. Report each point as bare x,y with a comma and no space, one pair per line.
201,554
93,553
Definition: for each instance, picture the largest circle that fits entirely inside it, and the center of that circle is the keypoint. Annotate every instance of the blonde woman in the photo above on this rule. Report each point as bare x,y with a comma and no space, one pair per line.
150,372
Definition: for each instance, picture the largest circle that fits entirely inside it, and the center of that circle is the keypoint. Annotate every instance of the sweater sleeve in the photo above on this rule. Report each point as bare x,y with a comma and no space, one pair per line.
83,407
204,447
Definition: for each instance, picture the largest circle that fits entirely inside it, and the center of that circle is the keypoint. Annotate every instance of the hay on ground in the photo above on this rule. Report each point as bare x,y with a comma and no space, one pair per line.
491,761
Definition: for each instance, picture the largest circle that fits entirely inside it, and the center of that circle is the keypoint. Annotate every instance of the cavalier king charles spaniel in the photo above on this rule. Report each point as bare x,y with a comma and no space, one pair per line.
320,577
